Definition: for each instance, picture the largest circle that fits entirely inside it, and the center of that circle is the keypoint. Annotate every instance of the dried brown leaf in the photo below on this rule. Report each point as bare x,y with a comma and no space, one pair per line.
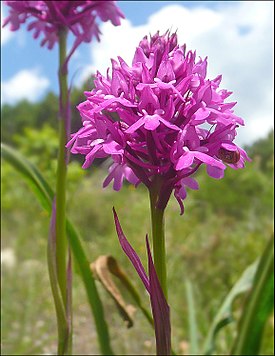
103,269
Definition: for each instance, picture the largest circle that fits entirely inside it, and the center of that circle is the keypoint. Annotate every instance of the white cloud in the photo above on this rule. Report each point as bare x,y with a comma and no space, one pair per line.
26,84
237,38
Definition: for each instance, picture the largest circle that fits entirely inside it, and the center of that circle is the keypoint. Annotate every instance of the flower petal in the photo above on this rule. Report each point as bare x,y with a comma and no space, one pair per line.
151,122
135,126
190,183
215,172
186,160
203,157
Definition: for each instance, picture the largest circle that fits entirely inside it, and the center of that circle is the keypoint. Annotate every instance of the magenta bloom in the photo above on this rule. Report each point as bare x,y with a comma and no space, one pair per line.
169,120
47,18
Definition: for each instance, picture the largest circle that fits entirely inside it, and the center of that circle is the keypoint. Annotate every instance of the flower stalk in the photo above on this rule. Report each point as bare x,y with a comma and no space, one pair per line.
61,240
59,259
157,222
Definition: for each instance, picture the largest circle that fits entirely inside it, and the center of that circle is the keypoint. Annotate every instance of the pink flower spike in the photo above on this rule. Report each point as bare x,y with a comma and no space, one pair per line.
164,117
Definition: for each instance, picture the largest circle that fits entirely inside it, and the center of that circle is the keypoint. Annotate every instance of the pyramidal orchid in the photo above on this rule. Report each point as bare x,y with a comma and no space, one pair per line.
158,119
169,120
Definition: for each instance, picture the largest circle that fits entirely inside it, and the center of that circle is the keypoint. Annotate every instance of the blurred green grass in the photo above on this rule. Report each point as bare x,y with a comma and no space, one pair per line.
211,245
225,227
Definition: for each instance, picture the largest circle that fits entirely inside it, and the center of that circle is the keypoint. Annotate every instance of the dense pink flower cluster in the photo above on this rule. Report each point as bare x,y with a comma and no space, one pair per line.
47,18
159,120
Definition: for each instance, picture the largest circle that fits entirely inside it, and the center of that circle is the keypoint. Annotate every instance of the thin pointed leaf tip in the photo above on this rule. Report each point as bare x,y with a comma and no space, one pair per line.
159,305
131,253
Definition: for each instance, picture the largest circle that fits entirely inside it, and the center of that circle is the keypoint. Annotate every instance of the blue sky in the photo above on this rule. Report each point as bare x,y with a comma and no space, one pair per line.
236,36
32,55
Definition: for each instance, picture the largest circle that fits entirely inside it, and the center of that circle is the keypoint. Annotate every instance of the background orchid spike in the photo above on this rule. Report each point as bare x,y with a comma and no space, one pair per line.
49,17
171,120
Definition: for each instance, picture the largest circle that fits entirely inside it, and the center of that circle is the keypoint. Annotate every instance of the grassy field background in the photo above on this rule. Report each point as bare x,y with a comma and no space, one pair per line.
225,227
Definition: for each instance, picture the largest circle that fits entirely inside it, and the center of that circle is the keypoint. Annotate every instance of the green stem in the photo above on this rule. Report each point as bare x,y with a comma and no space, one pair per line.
63,269
157,221
61,240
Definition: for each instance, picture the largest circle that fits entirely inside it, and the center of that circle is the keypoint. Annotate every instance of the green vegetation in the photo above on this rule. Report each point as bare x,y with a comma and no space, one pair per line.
225,227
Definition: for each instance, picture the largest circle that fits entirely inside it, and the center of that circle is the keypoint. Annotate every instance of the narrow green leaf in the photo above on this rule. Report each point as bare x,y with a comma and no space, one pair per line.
35,180
91,290
45,195
224,315
258,306
193,326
